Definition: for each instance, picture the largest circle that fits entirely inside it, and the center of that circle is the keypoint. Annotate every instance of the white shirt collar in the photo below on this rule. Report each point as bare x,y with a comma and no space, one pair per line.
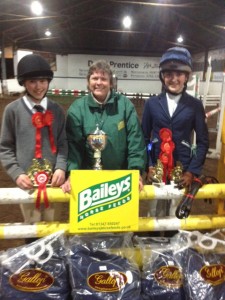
172,102
175,98
30,103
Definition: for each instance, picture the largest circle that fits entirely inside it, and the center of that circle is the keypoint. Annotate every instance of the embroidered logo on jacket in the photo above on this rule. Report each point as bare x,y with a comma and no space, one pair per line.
169,276
31,280
112,281
121,125
213,274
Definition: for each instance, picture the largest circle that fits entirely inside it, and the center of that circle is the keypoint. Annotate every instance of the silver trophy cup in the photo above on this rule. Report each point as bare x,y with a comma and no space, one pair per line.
97,141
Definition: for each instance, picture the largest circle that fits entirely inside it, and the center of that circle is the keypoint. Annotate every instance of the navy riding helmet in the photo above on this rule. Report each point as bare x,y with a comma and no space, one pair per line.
177,59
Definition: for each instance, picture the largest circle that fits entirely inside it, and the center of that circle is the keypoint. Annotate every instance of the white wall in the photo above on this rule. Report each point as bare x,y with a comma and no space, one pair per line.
75,66
135,74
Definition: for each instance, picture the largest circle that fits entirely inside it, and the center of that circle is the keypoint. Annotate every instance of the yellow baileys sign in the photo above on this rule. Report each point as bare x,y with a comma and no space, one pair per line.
104,201
101,195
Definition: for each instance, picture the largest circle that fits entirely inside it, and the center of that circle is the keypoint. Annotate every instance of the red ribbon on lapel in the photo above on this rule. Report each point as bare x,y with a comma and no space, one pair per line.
42,179
40,120
166,154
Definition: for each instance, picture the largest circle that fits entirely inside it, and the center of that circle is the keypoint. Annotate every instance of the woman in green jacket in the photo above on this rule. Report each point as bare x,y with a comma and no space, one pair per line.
113,114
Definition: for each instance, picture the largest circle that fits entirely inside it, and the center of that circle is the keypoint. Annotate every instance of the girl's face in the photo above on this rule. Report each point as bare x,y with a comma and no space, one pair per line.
175,81
99,84
37,88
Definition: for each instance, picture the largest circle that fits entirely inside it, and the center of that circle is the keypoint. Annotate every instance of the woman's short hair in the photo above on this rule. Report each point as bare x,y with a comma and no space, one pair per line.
102,66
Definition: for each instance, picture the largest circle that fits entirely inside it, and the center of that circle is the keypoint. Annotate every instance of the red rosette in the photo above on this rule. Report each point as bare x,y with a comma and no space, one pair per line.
166,155
165,134
48,118
165,147
40,120
37,120
41,178
164,158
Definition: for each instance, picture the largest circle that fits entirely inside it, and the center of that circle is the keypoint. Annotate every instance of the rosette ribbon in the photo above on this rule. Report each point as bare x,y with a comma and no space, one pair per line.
42,178
166,155
40,120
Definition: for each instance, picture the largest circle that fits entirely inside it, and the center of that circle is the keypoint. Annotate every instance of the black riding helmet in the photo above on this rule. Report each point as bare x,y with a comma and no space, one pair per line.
33,66
175,59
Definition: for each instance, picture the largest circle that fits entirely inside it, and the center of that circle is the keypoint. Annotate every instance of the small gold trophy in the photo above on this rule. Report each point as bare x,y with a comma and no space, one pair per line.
157,177
177,172
97,140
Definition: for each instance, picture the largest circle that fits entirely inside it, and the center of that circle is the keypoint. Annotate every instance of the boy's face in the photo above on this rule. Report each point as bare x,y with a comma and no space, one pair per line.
99,85
175,80
37,88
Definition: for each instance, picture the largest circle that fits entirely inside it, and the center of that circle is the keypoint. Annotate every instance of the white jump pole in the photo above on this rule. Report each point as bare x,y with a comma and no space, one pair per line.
149,192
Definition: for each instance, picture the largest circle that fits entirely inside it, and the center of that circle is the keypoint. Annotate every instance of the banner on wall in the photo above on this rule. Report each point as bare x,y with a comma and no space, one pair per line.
104,201
124,67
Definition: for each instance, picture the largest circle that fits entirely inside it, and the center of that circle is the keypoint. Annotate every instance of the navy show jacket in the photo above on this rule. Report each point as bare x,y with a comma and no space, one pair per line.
188,116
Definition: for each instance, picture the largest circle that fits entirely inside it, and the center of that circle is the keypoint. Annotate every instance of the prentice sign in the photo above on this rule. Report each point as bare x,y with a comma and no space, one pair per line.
104,201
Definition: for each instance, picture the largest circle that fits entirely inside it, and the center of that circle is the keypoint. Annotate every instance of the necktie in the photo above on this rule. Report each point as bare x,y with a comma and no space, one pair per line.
39,108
